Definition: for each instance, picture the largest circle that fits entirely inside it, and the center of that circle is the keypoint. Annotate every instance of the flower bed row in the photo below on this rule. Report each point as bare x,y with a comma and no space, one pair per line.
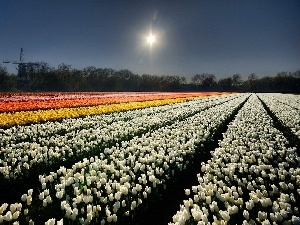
29,132
28,117
45,96
110,186
287,112
54,143
25,102
252,177
288,99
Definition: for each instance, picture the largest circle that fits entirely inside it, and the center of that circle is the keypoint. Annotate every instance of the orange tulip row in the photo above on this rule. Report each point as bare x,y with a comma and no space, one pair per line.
35,101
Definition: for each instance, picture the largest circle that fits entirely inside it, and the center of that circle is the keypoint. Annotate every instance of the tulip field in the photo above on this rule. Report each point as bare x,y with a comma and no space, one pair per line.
134,158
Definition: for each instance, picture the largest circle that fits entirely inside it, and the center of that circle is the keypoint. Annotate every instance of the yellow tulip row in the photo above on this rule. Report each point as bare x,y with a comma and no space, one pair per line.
27,117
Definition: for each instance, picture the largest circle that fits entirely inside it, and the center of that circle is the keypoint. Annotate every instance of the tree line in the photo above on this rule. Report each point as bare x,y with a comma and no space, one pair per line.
285,82
42,77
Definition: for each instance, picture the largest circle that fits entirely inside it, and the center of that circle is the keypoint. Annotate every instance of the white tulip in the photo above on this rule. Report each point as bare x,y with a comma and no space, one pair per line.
187,192
246,214
50,222
262,216
225,215
16,215
8,216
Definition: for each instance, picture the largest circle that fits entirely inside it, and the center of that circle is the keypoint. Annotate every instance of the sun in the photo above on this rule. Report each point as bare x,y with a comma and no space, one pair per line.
151,39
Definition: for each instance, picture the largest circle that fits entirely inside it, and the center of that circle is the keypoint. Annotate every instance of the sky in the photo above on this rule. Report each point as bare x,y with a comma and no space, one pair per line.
222,37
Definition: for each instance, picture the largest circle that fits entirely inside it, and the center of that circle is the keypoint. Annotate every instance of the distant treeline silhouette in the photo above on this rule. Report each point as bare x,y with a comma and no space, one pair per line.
42,77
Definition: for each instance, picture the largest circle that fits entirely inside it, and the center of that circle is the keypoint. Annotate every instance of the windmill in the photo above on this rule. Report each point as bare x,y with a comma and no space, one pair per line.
23,79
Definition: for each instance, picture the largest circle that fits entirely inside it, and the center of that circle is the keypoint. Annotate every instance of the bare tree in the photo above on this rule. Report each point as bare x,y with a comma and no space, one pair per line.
237,80
252,77
205,79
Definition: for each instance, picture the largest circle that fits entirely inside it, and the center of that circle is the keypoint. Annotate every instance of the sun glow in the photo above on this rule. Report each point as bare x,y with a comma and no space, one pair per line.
151,39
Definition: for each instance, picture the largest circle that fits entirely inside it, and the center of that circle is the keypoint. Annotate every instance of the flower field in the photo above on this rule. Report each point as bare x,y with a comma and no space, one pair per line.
108,158
21,109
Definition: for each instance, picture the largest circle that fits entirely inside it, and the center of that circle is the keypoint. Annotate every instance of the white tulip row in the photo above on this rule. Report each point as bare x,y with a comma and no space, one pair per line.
289,115
252,177
84,135
289,99
114,183
136,167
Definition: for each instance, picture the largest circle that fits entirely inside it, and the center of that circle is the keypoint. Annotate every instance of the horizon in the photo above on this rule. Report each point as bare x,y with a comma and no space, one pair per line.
188,78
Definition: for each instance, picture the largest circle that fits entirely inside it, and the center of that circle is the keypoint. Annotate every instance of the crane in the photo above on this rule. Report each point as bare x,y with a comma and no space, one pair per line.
23,79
